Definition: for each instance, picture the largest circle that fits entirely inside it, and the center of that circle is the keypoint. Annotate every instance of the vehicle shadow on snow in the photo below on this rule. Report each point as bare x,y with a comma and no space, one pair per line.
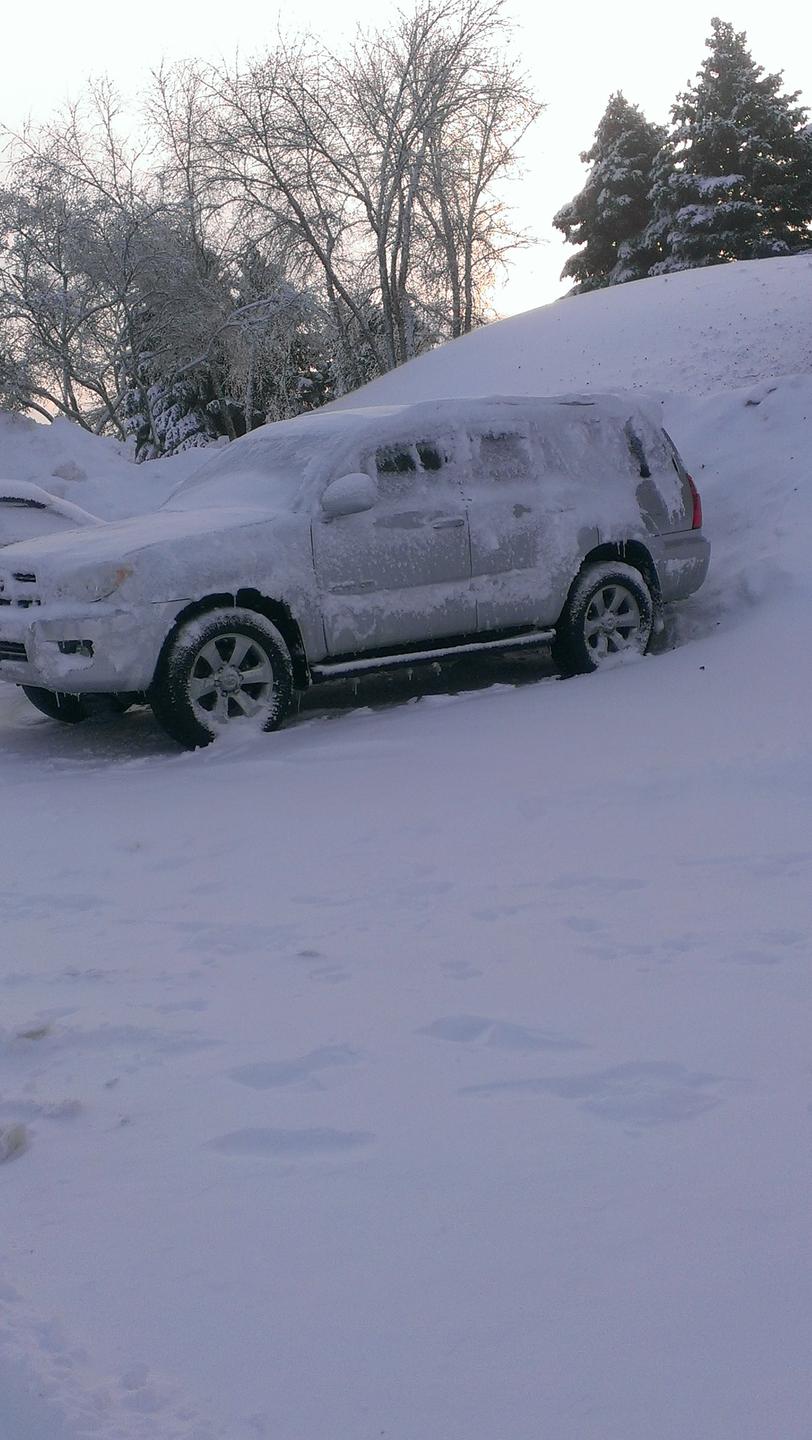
389,689
136,736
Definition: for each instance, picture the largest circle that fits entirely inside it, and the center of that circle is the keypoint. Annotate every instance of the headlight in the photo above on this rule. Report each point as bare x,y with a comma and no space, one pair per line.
97,583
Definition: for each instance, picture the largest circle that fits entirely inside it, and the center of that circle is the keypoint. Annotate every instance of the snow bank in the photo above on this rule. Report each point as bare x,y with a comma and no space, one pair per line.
95,472
750,452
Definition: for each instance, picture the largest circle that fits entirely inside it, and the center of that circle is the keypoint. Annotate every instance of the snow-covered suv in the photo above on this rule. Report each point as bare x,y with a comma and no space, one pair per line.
356,539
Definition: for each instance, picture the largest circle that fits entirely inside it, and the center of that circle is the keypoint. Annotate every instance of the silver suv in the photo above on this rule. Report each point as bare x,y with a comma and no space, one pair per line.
351,540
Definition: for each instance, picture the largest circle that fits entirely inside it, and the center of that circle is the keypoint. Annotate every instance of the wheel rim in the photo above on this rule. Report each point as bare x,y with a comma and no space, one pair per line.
231,678
614,623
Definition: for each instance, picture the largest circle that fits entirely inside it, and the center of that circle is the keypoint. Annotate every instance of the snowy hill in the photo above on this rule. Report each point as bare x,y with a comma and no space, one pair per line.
697,331
438,1068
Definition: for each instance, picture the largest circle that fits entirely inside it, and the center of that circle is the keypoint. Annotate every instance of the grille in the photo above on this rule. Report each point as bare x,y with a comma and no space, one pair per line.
12,650
15,589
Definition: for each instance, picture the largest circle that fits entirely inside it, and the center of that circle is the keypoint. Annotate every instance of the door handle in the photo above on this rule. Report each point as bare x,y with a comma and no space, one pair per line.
453,522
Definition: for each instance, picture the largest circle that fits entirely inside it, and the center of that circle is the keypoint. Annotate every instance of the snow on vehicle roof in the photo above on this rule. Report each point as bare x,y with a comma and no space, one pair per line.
280,464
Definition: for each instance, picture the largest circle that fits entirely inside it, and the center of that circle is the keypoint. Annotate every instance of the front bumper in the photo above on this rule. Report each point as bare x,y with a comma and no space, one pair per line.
119,646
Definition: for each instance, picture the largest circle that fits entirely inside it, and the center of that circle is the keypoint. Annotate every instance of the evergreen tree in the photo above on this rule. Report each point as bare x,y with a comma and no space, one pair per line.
609,217
735,180
167,417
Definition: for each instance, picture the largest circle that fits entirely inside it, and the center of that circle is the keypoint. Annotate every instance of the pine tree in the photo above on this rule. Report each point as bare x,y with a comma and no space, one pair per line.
610,215
735,180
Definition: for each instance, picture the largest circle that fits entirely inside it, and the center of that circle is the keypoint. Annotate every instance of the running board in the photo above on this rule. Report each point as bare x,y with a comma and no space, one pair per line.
341,668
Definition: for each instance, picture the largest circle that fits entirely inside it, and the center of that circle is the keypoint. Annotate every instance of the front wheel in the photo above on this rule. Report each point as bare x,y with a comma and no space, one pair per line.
609,613
223,668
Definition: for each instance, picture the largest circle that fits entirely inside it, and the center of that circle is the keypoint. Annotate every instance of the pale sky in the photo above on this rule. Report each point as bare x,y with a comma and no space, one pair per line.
576,54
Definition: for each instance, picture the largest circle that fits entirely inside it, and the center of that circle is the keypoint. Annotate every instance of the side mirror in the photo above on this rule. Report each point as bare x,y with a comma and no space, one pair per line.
349,495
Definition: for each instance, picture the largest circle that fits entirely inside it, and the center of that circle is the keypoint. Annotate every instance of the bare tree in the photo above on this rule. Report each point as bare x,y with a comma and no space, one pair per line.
294,225
381,167
470,225
77,207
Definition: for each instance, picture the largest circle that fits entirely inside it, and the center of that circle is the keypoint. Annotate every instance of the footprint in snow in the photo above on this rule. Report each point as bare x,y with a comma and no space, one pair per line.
499,1034
599,885
13,1141
290,1144
639,1093
268,1074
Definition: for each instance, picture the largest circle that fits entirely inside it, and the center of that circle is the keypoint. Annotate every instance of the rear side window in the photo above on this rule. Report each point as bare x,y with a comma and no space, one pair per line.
431,456
674,454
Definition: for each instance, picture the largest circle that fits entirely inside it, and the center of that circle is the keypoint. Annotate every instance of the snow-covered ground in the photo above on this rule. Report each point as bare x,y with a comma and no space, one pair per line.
438,1068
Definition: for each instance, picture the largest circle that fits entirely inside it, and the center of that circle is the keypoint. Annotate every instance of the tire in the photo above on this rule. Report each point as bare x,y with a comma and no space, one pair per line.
70,709
200,689
609,613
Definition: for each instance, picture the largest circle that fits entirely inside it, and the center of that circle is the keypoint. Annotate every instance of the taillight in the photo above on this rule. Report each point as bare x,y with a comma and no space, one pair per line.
696,517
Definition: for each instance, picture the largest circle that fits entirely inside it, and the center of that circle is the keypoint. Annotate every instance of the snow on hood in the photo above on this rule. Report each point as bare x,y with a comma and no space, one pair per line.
122,539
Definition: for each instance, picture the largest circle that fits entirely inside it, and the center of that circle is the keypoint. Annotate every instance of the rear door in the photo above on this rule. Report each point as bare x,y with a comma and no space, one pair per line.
400,573
516,507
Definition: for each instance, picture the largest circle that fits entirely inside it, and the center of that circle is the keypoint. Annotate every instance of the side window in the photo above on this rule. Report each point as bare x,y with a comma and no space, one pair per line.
432,456
501,456
395,470
395,460
402,469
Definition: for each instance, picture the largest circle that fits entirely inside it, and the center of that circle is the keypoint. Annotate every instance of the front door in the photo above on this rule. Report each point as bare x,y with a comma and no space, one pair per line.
398,574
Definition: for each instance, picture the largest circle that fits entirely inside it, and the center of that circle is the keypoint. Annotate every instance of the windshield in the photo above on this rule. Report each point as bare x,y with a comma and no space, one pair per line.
275,467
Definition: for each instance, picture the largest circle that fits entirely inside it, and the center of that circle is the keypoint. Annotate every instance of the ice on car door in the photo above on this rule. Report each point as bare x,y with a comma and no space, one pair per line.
400,572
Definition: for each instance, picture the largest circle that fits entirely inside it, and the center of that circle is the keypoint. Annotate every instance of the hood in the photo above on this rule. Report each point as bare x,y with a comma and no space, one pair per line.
121,540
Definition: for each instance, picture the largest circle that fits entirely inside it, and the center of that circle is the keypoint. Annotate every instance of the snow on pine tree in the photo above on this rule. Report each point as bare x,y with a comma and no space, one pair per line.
609,217
735,179
167,417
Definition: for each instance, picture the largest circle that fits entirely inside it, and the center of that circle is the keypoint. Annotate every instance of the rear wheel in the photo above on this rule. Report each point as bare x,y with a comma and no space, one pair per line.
223,669
609,613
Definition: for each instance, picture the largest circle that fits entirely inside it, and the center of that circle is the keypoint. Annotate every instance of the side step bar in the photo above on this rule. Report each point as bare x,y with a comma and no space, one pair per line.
339,669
